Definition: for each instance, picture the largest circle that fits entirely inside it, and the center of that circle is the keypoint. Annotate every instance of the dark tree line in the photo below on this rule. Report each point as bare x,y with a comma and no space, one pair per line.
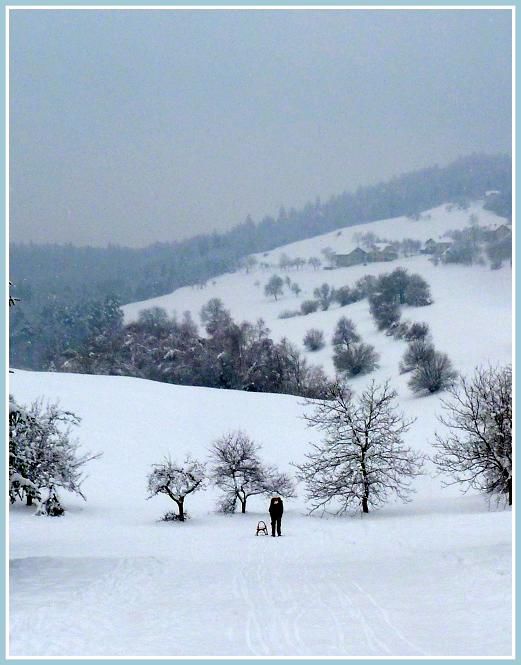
65,276
238,356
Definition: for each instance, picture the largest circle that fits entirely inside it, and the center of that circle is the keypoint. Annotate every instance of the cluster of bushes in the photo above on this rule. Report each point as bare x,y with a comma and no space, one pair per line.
351,356
408,330
234,467
239,356
432,370
325,295
314,340
391,290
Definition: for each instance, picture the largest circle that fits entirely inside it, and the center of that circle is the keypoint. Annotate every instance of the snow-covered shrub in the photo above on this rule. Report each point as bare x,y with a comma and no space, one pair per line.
345,295
172,516
418,351
355,359
309,306
227,503
385,312
51,506
42,454
476,447
314,340
177,481
398,330
433,374
289,314
417,330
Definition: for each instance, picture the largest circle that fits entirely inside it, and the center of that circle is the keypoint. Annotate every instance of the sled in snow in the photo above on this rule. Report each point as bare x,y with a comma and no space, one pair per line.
262,528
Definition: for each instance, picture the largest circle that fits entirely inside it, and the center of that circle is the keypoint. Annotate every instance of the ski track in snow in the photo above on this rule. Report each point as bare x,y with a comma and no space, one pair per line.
326,617
261,597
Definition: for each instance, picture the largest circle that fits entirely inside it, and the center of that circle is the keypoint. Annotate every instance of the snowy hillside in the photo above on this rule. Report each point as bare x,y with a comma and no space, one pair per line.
429,578
470,318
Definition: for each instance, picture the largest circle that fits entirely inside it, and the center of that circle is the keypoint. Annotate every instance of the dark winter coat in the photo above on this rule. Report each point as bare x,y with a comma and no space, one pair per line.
276,508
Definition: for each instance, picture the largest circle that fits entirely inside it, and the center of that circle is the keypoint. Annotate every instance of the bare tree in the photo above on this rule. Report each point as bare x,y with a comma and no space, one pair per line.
362,460
476,449
238,471
177,481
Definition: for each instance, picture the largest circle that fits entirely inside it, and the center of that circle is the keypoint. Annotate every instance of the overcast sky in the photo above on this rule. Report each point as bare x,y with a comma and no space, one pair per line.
137,126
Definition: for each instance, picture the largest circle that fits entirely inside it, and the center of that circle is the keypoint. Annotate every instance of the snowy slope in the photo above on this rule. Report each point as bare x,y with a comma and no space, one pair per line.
470,318
430,578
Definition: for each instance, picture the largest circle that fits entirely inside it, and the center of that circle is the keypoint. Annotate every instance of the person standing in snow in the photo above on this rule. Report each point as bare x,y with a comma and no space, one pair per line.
276,510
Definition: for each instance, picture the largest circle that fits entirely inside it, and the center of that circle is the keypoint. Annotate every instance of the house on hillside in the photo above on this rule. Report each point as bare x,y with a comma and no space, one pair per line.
387,253
502,232
356,257
433,247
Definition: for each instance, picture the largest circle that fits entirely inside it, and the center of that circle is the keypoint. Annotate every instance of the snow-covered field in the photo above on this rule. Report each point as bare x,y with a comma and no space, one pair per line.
430,578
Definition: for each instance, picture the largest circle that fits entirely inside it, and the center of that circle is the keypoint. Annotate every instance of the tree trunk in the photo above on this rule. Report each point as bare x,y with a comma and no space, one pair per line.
243,506
180,506
365,507
509,485
29,500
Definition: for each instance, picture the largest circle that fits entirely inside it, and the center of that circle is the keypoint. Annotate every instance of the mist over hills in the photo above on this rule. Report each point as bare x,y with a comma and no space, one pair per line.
43,273
57,284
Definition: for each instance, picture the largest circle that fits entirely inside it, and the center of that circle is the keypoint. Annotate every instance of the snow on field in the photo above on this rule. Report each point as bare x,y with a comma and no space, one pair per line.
430,578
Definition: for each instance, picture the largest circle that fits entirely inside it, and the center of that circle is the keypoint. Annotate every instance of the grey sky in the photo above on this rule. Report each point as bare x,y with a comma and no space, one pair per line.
136,126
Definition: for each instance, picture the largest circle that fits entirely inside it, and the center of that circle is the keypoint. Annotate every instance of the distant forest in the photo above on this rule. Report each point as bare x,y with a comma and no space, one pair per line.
54,280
